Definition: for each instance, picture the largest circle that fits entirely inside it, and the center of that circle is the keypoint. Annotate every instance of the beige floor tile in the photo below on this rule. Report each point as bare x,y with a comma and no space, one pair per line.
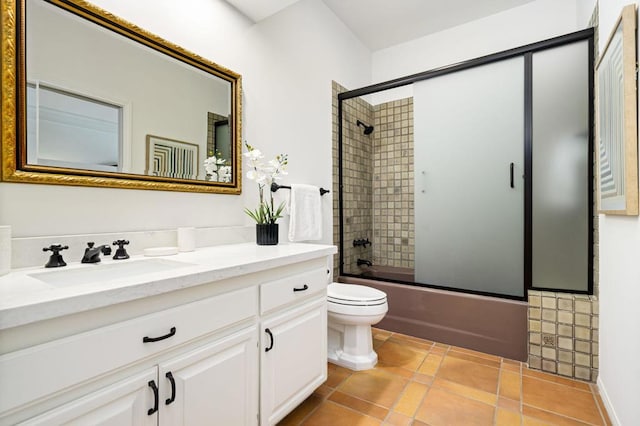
533,415
507,418
323,391
469,373
510,385
556,379
425,379
561,399
396,419
508,404
443,408
488,362
511,367
396,371
412,342
446,385
359,405
411,399
394,354
489,357
379,333
430,364
303,410
333,414
374,386
336,375
467,392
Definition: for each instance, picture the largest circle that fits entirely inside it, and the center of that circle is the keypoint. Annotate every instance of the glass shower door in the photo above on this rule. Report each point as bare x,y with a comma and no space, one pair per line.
469,186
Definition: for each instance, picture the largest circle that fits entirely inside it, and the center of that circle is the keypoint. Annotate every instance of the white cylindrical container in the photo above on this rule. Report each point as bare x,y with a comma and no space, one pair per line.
186,239
5,249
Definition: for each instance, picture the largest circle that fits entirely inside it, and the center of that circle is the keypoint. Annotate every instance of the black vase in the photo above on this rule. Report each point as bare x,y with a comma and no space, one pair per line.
267,234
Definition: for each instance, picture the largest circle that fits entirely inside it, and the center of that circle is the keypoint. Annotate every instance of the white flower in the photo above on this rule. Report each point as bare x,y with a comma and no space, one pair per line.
224,173
254,155
257,175
213,167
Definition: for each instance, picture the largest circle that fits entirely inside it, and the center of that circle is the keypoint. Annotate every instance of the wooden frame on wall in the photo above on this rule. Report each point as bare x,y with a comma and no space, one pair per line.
617,126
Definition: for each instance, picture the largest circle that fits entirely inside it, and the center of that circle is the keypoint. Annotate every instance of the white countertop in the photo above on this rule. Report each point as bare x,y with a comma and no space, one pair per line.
25,299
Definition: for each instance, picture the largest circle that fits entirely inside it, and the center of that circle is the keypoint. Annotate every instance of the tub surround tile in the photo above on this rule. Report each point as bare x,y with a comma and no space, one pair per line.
571,321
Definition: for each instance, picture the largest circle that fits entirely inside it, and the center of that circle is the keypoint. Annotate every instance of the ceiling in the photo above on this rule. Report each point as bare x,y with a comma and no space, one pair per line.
383,23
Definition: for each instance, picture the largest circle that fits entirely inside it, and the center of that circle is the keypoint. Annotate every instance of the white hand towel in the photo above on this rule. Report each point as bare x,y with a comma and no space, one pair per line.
305,213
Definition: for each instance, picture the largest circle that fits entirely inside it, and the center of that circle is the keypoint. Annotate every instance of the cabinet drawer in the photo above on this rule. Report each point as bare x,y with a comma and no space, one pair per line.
41,370
292,288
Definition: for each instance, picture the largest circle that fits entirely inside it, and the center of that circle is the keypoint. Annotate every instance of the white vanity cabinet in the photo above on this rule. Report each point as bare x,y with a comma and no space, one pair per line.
124,403
189,350
293,361
214,382
202,355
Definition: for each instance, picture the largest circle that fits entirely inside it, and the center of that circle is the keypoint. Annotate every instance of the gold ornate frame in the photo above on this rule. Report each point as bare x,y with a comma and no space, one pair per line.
12,107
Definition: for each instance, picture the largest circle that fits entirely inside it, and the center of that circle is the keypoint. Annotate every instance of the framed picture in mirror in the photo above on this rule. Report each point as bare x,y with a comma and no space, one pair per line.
171,158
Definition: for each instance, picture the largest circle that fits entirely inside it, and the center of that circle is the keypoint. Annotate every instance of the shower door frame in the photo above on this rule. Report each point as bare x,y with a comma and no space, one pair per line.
527,52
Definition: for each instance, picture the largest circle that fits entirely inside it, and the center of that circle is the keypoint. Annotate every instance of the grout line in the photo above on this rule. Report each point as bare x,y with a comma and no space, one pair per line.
495,408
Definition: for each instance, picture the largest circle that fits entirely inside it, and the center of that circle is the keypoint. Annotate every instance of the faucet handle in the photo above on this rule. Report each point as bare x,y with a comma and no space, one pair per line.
55,260
121,253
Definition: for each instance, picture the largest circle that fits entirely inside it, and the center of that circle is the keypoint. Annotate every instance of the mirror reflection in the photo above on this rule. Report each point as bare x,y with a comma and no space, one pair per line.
102,104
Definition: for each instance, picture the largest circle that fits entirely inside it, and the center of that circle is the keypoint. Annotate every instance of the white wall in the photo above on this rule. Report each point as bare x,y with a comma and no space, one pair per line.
619,377
532,22
287,63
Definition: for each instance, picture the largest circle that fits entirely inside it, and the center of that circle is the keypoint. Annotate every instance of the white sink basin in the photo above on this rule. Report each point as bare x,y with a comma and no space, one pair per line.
96,272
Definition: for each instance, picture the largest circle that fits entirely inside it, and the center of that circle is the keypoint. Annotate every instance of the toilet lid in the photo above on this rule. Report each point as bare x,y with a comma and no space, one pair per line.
354,294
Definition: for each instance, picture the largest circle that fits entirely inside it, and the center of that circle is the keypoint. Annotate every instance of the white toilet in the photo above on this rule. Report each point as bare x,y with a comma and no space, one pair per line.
352,310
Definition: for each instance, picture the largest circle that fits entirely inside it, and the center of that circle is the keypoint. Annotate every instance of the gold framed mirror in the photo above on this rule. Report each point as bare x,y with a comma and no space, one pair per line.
90,99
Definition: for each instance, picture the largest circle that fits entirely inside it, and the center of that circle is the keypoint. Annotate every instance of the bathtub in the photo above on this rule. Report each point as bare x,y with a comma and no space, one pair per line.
388,273
487,324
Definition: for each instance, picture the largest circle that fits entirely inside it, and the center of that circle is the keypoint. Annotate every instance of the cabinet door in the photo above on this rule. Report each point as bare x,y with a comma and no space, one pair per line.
121,404
294,358
214,384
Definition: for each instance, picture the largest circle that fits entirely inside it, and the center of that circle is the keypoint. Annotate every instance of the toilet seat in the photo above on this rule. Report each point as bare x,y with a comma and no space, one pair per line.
355,295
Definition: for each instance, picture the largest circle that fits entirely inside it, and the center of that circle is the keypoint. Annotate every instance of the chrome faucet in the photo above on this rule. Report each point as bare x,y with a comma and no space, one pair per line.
92,254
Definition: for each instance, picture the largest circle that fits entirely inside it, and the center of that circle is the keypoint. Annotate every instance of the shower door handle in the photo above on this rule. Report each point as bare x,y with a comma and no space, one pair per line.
511,175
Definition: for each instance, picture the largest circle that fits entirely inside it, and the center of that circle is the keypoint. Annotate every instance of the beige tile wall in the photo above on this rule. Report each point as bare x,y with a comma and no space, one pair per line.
357,173
563,334
393,214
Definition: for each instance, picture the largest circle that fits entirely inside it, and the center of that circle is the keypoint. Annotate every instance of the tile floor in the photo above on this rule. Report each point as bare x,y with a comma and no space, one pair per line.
418,382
